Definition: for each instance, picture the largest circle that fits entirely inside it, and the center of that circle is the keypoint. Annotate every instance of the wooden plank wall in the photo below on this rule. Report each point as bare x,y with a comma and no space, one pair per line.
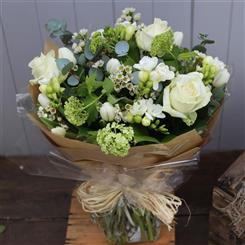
22,34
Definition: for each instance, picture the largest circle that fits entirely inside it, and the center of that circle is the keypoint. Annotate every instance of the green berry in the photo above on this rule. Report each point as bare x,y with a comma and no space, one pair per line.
146,122
137,119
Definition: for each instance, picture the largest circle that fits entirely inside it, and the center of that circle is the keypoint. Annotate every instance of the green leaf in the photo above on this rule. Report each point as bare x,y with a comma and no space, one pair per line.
92,109
219,93
141,136
200,48
112,99
82,90
108,86
87,134
89,81
186,56
2,228
49,124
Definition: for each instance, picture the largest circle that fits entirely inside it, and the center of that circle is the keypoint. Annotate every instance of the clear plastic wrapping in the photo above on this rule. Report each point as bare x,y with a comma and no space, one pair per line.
128,197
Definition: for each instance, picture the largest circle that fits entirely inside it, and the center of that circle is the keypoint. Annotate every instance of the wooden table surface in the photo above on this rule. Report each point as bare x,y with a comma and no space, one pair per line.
35,209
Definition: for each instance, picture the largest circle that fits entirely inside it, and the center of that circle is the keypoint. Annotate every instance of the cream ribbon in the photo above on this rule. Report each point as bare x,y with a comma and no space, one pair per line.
97,198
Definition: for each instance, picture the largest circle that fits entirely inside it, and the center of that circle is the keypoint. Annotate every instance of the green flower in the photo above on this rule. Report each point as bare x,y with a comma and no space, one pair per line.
115,139
209,71
162,44
97,42
74,111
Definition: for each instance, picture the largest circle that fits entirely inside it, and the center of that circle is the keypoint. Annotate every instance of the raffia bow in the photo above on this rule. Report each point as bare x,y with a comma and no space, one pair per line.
98,198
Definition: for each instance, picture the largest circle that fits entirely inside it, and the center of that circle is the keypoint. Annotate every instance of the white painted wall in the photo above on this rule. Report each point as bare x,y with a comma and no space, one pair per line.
22,34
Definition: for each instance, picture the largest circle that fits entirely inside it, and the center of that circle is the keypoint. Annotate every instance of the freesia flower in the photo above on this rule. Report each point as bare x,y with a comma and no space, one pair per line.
178,38
162,73
43,100
221,78
146,107
146,63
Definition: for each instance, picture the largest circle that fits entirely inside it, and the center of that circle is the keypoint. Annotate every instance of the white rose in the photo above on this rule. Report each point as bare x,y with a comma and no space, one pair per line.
162,73
178,38
145,36
58,131
43,100
107,112
112,65
221,78
44,68
146,63
67,54
185,95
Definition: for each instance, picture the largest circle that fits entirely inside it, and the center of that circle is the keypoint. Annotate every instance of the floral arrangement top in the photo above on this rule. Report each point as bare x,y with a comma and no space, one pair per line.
126,85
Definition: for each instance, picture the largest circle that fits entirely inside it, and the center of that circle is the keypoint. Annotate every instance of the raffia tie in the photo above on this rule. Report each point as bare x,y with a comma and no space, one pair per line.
236,212
97,199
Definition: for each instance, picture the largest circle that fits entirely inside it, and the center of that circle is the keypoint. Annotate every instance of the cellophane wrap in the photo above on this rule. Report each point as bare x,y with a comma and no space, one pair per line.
128,196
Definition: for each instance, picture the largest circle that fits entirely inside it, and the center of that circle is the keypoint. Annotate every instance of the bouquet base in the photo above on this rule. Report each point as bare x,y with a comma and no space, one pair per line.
81,230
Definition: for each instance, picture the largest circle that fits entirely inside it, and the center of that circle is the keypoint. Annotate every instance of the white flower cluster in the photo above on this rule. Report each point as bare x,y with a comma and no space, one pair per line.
79,40
98,63
129,15
146,107
151,70
121,75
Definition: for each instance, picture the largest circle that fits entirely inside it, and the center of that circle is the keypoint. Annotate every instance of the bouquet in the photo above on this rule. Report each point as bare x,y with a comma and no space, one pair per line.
131,107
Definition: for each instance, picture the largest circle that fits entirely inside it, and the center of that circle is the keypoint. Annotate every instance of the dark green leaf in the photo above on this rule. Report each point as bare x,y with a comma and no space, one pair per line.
140,135
92,109
49,124
200,48
219,93
82,90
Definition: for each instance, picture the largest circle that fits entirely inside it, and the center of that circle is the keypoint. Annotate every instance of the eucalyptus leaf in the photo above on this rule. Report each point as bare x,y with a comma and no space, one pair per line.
73,80
122,48
135,79
64,65
81,59
98,73
87,52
